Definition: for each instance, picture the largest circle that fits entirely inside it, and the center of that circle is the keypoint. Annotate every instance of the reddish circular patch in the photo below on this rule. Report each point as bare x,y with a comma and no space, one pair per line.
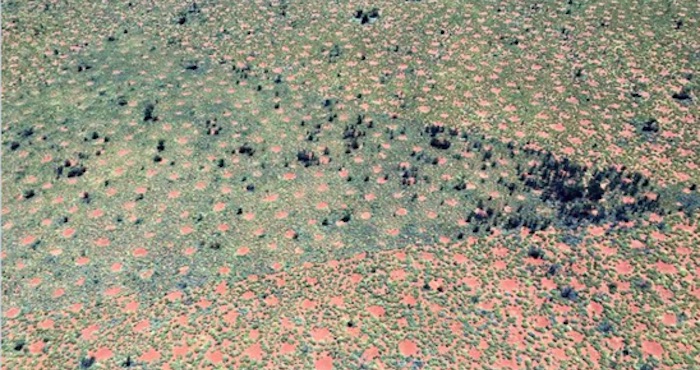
509,285
46,324
12,312
408,348
67,233
324,363
215,357
140,252
287,348
376,311
29,239
150,356
102,242
254,352
652,348
320,334
103,353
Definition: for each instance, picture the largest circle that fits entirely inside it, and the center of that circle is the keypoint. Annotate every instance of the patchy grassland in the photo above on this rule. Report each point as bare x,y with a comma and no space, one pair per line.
296,184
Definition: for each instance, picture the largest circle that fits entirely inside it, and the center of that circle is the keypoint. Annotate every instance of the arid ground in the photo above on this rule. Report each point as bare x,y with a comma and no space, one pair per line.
351,185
